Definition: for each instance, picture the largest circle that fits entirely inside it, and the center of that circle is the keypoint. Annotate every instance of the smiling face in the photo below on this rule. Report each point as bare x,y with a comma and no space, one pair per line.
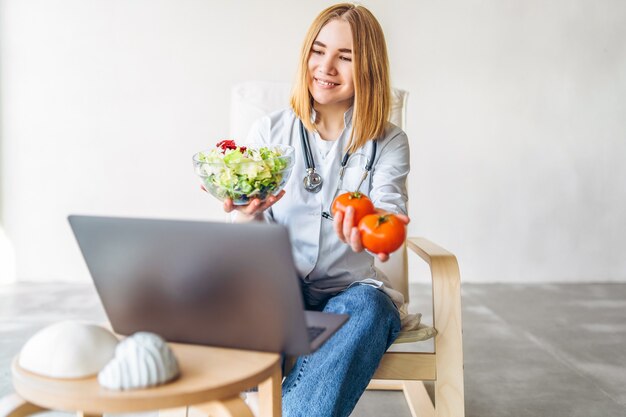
330,71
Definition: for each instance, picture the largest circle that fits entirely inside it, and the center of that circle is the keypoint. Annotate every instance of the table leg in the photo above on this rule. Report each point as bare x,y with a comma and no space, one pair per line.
83,414
231,407
270,394
15,406
173,412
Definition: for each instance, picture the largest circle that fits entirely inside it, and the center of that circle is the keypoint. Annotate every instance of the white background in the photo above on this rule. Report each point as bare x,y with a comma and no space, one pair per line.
517,121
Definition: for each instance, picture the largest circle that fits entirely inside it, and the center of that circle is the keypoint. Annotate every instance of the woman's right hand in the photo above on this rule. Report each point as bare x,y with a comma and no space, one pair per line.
251,210
255,206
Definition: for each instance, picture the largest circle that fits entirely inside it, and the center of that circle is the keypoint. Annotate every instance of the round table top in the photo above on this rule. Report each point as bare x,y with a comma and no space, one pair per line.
207,374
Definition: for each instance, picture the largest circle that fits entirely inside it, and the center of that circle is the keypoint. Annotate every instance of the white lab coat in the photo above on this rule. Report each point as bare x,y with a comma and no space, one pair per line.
325,264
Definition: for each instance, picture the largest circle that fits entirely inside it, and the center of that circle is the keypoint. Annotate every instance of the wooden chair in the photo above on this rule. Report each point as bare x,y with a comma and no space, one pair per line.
404,371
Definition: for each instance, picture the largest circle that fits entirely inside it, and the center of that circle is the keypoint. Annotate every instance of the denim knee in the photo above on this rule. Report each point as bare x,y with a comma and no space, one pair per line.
370,306
330,381
361,295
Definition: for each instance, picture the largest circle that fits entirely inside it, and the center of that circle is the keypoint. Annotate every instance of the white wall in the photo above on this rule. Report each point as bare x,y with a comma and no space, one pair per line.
516,118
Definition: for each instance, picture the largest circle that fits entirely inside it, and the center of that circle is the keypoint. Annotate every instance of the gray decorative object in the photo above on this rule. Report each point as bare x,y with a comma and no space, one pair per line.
141,360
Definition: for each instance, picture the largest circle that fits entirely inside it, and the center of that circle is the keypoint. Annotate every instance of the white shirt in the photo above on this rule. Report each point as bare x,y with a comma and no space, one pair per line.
327,265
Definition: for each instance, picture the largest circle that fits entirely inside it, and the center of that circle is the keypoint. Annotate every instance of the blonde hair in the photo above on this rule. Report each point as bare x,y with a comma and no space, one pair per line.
372,90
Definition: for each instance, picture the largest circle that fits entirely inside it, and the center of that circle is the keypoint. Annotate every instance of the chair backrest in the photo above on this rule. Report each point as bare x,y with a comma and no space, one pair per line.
253,99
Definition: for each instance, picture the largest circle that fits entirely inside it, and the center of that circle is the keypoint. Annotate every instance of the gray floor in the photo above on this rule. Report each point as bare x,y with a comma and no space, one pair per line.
530,350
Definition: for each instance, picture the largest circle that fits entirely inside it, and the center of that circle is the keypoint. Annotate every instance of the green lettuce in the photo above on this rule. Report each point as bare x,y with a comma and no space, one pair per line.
241,176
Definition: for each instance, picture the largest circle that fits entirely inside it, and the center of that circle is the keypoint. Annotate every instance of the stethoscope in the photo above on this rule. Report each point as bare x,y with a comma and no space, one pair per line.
312,180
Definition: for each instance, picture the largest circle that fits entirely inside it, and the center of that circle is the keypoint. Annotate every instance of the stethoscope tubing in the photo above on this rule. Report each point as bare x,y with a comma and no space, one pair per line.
306,148
310,162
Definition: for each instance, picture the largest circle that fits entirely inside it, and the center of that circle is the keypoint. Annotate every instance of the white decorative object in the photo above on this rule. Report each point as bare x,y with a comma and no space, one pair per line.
141,360
68,349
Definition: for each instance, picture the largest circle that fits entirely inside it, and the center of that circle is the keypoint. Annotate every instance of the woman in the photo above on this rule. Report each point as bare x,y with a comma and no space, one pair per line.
340,103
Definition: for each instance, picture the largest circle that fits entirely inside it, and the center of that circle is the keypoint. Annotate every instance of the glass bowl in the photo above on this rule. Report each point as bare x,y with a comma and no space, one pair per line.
261,171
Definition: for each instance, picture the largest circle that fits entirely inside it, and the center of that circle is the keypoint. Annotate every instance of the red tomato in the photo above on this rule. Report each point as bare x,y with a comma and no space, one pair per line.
361,203
382,233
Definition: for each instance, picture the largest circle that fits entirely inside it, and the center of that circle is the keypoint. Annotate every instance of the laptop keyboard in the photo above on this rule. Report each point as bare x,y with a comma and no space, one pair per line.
315,331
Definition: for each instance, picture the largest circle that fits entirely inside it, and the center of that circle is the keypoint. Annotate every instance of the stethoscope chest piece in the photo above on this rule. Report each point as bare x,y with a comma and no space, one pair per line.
312,181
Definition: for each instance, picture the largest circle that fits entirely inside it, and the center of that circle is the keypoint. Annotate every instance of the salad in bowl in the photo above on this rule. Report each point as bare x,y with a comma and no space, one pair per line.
243,173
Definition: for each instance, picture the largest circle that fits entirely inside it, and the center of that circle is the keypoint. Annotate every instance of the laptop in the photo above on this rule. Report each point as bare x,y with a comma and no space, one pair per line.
220,284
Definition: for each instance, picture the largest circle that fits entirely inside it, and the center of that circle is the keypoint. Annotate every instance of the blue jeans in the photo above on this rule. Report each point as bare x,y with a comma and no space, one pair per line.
329,382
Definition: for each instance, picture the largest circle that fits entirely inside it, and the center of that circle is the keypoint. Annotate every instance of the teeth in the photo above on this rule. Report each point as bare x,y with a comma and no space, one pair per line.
325,82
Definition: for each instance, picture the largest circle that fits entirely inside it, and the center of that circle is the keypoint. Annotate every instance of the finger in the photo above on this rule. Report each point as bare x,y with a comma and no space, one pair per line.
252,207
278,196
348,223
403,218
228,205
271,200
265,204
337,225
383,257
355,240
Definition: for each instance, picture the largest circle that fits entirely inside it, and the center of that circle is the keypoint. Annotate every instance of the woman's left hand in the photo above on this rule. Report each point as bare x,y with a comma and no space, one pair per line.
348,232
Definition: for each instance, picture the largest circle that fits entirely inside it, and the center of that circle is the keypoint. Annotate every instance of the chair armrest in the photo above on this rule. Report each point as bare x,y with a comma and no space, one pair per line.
446,284
428,250
444,269
446,281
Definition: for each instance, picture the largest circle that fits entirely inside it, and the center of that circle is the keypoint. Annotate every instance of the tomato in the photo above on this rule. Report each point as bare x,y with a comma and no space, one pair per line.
382,233
361,203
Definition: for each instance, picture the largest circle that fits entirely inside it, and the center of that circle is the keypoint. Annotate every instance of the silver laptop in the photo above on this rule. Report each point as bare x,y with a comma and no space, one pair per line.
220,284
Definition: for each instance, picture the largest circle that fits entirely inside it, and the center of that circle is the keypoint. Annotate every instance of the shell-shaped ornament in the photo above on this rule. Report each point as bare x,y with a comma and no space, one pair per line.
68,349
142,360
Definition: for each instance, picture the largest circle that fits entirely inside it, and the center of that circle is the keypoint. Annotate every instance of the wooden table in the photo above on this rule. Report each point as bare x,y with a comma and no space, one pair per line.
211,381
